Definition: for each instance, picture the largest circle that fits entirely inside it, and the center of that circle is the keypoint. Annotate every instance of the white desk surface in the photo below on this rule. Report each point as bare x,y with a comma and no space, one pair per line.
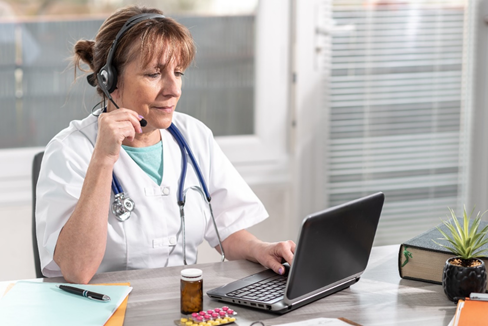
381,297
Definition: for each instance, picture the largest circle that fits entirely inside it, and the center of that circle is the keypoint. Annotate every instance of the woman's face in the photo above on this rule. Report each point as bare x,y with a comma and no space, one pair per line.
152,91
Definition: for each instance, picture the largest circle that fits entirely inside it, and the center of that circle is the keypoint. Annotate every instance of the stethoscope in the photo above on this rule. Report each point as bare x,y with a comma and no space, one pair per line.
123,205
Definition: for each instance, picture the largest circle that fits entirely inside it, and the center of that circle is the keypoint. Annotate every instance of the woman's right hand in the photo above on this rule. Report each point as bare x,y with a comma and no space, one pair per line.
113,128
81,244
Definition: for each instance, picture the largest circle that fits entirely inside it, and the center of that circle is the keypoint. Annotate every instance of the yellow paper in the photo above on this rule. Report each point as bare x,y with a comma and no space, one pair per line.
119,314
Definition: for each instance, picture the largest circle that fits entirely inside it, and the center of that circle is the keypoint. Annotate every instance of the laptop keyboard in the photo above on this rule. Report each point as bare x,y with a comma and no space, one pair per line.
265,290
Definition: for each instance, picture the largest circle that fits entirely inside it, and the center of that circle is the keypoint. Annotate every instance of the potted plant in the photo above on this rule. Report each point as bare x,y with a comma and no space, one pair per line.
464,273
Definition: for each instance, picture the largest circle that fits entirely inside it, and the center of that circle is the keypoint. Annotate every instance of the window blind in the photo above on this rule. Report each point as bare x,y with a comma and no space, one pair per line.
394,111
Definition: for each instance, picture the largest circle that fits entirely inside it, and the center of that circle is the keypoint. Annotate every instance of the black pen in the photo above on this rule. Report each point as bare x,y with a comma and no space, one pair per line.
84,293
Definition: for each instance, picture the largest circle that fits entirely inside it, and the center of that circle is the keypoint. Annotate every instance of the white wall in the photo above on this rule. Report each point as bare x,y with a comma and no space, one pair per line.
16,252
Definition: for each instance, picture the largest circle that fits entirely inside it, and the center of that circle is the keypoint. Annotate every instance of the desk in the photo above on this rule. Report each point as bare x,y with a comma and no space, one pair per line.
381,297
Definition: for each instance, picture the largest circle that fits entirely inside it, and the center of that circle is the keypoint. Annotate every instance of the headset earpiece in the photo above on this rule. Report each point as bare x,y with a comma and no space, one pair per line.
107,79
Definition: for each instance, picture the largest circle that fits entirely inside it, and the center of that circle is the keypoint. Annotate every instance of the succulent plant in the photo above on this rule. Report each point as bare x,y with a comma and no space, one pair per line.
466,241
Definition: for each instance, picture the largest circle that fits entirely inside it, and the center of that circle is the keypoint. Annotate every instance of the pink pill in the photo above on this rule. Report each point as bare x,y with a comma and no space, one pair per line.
215,315
194,315
224,308
210,311
202,313
217,310
200,318
207,316
230,311
222,314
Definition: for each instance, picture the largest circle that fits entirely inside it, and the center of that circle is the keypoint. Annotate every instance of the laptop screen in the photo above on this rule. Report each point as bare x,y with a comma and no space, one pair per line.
334,245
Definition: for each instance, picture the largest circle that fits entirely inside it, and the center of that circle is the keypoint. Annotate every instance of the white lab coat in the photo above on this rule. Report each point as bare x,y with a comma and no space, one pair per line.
151,237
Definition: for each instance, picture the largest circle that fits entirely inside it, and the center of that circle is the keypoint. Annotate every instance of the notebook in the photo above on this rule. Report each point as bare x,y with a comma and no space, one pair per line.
332,252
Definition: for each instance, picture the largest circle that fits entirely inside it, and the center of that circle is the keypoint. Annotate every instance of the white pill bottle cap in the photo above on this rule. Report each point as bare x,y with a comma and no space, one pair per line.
191,274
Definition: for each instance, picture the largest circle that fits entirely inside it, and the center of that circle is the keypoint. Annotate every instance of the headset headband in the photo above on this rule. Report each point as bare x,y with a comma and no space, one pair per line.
107,76
128,25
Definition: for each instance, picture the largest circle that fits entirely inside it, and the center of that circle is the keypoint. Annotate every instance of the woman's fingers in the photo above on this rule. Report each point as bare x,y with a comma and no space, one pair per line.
128,115
275,253
114,127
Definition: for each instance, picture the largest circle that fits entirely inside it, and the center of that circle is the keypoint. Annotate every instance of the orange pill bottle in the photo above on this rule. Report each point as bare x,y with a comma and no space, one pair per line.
191,286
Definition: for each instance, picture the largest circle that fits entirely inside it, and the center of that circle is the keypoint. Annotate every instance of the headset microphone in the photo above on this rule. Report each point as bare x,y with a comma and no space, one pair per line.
143,121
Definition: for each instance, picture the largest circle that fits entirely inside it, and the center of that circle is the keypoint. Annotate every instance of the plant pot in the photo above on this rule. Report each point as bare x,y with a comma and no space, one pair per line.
458,281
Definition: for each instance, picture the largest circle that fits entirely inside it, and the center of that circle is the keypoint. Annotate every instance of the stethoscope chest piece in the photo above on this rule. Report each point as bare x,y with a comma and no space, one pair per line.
122,207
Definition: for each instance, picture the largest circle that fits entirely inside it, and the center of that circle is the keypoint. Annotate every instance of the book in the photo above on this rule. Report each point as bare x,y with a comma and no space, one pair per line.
48,305
470,313
421,259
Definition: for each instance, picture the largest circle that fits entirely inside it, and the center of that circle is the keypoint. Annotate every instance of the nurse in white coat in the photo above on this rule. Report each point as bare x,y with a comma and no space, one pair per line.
78,234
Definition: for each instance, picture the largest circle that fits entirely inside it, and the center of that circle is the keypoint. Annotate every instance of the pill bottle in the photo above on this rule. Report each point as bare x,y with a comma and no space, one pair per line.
191,286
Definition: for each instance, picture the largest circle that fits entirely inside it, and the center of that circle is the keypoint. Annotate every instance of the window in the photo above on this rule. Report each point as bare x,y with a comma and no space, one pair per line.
395,111
36,84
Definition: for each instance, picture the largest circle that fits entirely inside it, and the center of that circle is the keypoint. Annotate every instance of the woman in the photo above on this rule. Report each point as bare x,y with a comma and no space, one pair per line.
141,74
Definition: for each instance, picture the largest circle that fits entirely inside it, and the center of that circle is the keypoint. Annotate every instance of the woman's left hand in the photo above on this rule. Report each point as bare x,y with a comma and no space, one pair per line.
244,245
273,255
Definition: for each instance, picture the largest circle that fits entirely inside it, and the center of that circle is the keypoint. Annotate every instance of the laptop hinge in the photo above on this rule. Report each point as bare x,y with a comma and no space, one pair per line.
292,302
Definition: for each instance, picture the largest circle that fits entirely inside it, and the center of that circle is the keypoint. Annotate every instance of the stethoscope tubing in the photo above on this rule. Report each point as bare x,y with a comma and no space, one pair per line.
184,163
184,146
116,187
185,149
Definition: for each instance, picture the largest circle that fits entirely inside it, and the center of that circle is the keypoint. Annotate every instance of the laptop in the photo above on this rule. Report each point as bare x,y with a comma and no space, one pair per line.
332,252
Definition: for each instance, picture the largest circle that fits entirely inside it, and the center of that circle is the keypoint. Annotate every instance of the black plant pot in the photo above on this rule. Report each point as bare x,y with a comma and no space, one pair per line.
459,282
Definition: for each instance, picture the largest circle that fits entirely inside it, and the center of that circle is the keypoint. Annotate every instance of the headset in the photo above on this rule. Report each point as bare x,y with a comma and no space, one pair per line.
107,76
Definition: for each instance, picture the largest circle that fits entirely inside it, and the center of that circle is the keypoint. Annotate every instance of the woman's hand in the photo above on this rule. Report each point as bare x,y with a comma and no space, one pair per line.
113,128
244,245
81,244
272,255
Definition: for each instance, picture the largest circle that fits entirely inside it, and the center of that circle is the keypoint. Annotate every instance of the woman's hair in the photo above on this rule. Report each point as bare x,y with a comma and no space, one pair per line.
156,37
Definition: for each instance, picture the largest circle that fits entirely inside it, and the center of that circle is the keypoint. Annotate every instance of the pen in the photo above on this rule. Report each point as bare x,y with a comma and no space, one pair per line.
84,293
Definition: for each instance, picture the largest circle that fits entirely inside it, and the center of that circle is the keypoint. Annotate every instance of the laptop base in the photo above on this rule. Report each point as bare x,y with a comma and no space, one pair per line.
280,307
